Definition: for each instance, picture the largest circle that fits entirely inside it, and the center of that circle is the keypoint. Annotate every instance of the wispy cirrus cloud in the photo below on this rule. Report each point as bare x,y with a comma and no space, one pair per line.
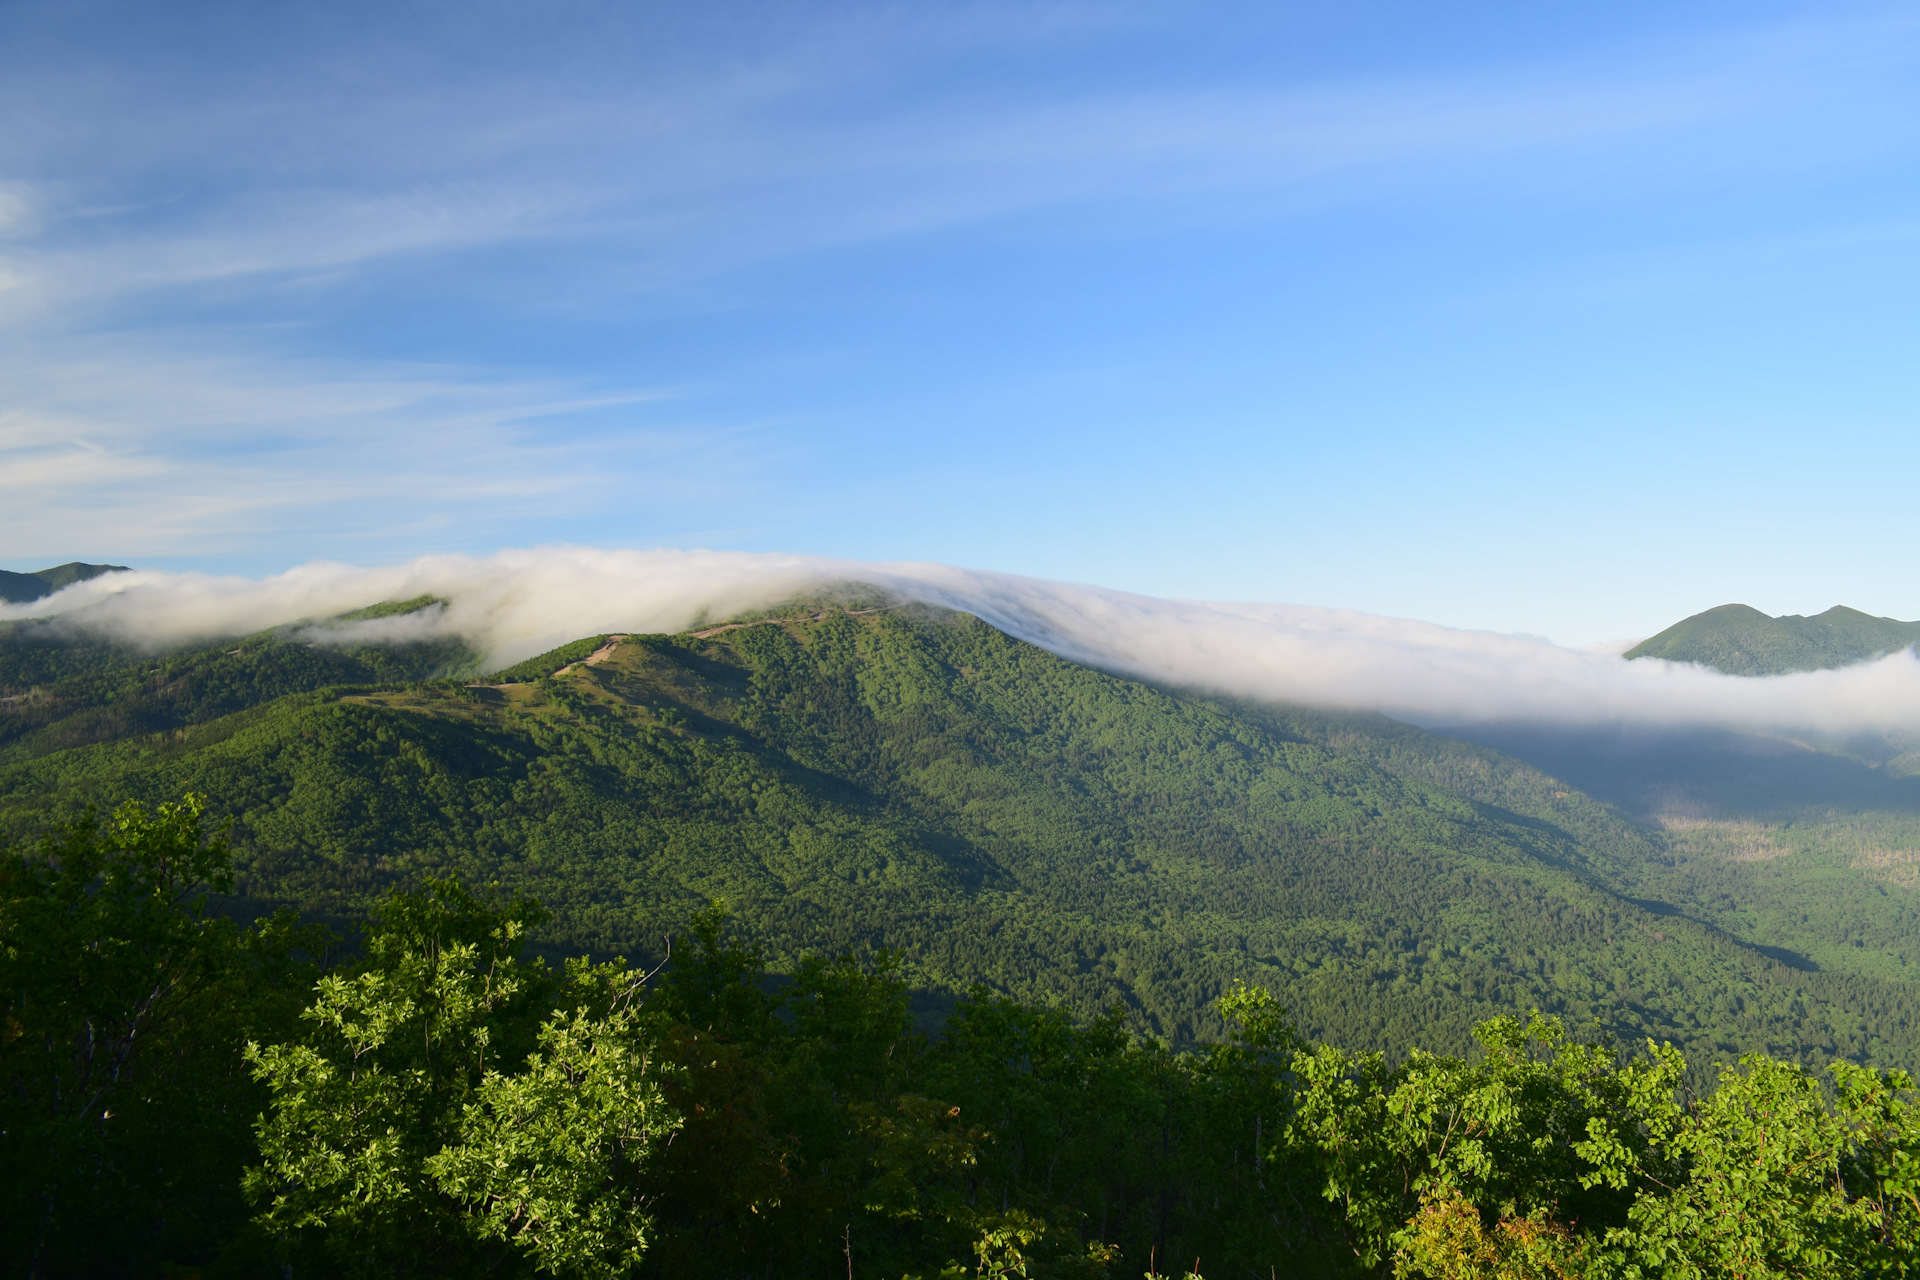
178,202
703,151
126,442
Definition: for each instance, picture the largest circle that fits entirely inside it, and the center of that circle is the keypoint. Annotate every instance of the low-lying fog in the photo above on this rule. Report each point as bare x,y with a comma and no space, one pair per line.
519,603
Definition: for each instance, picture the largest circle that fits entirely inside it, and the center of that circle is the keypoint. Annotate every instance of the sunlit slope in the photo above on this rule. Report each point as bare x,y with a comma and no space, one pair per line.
1743,641
997,814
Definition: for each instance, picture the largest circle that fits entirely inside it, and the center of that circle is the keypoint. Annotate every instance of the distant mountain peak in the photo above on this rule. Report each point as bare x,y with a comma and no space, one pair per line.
1741,640
23,588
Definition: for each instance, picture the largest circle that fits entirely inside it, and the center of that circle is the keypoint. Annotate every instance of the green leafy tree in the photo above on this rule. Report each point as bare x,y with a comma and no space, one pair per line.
453,1109
550,1159
124,1003
1505,1134
1769,1174
802,1139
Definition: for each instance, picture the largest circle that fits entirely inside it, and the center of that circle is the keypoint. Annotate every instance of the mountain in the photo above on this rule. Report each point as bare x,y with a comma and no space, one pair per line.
918,780
57,694
1743,641
20,588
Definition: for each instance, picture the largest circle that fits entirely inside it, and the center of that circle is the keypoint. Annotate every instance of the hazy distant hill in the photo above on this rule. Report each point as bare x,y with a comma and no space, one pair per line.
928,783
1743,641
19,588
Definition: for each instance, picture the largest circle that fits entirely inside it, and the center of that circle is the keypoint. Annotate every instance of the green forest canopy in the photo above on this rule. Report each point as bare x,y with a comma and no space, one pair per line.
441,1107
922,782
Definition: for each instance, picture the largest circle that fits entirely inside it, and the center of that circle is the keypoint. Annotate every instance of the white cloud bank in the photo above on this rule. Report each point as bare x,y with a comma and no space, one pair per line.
519,603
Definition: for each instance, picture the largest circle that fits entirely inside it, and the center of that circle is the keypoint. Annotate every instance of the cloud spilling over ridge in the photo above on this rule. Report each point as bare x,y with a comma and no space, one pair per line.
519,603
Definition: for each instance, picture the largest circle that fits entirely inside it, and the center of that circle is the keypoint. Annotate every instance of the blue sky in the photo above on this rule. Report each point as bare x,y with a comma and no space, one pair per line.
1568,320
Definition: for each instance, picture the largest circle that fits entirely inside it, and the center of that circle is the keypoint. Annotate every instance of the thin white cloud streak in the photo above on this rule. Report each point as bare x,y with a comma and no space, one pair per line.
671,172
179,448
519,603
784,150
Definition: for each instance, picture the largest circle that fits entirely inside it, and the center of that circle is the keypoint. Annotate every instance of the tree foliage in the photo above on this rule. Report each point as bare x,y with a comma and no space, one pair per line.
446,1106
124,1003
453,1107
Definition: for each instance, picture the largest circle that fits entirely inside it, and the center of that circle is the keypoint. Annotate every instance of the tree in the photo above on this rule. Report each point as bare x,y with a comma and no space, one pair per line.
123,1006
452,1109
550,1159
1510,1136
1770,1174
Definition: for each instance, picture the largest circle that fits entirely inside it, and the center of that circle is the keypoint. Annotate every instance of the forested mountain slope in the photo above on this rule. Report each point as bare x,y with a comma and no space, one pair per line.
1743,641
57,693
1811,847
924,782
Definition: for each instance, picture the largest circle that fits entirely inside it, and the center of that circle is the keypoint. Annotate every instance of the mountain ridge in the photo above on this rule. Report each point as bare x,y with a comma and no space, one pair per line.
24,588
1741,640
921,781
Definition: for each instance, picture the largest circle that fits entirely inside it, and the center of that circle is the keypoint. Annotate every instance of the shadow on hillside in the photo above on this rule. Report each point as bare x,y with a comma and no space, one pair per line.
1791,959
1654,775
